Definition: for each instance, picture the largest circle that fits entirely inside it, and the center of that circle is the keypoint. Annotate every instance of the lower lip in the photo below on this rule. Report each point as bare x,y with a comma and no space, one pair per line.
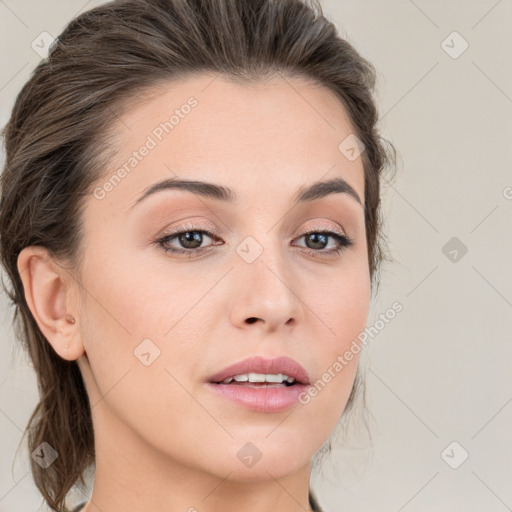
261,399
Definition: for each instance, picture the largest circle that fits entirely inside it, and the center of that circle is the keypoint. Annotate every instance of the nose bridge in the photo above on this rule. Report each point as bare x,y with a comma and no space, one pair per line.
271,277
265,283
264,254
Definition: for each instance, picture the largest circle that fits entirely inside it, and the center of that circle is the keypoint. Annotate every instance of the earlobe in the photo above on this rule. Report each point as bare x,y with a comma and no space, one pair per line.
47,293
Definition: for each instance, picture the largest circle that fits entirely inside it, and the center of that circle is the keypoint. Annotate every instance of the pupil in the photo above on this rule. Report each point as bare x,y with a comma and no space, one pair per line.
315,237
191,239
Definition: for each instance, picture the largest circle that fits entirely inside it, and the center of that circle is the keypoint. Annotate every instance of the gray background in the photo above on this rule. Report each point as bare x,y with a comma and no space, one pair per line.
440,371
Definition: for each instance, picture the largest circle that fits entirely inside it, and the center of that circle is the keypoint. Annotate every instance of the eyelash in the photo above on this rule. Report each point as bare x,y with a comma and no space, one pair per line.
343,240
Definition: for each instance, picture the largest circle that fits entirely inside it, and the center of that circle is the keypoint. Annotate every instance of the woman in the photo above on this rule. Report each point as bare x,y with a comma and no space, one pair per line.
190,222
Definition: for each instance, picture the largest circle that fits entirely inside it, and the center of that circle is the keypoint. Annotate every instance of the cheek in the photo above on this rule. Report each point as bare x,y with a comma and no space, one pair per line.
127,294
138,321
342,306
342,303
135,329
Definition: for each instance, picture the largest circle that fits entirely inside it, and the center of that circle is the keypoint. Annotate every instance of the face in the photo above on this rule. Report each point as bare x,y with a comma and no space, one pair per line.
256,274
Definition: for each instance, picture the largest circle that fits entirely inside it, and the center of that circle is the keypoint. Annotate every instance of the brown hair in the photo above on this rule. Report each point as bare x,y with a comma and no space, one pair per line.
57,146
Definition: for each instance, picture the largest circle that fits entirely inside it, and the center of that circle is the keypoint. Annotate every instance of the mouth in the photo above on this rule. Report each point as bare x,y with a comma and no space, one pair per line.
260,371
259,380
264,385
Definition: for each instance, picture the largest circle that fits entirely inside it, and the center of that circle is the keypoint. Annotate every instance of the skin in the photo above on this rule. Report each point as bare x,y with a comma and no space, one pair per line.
164,442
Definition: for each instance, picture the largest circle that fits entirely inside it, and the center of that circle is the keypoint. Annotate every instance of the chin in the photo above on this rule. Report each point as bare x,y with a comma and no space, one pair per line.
277,468
260,458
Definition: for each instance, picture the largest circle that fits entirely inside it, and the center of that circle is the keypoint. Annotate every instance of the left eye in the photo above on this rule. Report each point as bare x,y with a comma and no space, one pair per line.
321,237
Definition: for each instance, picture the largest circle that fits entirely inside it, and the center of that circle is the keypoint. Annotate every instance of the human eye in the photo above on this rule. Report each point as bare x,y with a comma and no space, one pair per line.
319,240
190,237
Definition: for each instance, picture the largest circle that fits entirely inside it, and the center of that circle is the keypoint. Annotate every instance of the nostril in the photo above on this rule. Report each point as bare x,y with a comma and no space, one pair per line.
251,320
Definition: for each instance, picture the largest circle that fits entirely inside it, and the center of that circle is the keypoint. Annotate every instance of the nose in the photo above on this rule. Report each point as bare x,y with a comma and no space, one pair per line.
265,295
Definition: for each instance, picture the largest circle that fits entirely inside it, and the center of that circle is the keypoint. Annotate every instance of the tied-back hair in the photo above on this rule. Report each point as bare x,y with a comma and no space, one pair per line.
57,147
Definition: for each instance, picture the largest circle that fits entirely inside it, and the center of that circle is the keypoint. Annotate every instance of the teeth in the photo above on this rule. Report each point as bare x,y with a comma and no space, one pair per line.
259,377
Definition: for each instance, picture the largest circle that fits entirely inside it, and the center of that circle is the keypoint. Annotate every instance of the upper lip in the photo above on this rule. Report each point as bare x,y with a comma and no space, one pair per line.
258,364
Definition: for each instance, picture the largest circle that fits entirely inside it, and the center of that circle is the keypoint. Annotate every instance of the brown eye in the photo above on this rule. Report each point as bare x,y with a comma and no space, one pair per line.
316,241
190,239
187,240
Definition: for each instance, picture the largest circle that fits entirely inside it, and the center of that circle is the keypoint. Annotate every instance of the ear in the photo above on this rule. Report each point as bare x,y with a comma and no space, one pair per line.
47,287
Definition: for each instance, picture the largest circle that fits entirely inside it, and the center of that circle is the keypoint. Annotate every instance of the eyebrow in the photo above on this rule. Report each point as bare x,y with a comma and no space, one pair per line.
312,192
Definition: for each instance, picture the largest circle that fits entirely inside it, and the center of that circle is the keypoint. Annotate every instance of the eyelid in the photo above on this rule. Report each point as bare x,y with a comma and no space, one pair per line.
188,225
323,227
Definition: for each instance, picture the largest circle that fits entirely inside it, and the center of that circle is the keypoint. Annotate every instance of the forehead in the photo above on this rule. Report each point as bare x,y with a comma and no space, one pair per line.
262,139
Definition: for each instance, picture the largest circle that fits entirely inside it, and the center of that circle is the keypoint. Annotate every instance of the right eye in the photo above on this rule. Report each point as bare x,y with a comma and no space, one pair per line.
190,239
